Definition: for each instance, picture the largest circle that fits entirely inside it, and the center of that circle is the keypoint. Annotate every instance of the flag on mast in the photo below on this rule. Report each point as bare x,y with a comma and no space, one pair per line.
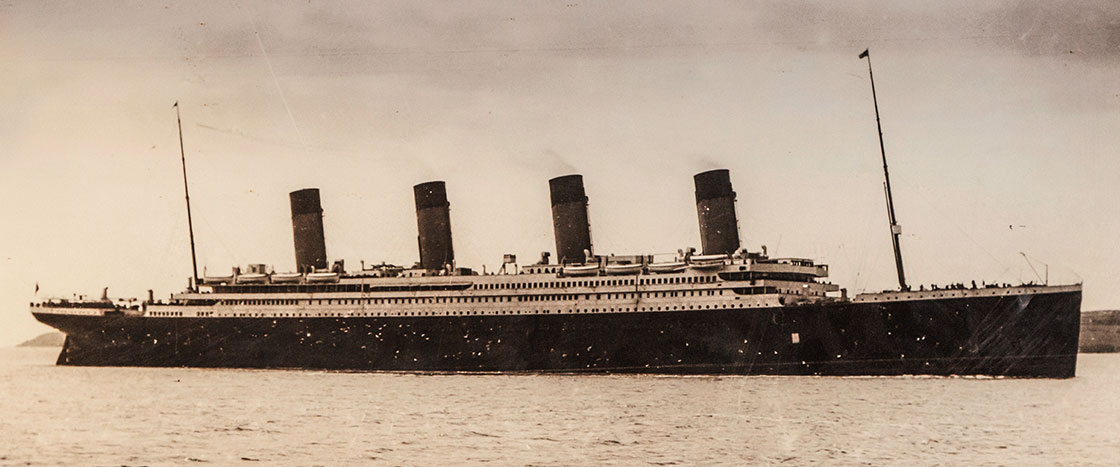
864,54
36,287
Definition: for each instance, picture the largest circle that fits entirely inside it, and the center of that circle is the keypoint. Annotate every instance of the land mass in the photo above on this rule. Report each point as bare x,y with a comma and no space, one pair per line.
50,339
1100,333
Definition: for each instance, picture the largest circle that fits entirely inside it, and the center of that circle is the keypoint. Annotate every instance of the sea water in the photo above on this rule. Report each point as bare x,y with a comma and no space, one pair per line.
52,415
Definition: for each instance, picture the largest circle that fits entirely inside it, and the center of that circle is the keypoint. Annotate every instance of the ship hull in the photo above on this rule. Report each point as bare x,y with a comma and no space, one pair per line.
1026,335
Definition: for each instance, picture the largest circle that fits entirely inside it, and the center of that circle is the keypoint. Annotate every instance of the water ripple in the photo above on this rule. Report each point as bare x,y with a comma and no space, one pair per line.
156,416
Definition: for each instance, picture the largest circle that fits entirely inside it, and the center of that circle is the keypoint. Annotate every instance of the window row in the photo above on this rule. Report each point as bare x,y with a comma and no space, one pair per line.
598,283
522,298
496,312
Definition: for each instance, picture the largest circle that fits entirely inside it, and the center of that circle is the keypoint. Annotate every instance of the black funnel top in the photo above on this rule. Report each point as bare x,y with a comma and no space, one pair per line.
713,184
567,189
305,201
430,195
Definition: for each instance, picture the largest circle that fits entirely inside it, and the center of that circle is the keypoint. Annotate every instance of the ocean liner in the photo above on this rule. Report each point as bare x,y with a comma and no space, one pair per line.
721,310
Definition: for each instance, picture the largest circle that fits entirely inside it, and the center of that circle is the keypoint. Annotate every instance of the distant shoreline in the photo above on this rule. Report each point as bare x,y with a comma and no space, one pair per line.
1100,333
49,339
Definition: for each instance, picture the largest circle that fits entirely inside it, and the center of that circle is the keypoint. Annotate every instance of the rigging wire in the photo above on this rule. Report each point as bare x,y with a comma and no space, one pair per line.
924,200
276,81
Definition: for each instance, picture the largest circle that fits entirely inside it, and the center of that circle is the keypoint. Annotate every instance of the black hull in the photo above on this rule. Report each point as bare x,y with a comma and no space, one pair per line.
1029,335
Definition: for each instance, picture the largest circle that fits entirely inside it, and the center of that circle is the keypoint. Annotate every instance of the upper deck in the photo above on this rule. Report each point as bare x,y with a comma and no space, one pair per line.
779,276
715,283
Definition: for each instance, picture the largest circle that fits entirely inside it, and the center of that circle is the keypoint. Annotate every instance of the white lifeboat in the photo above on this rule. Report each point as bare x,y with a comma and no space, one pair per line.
286,277
706,261
663,268
212,280
581,270
623,269
321,277
252,278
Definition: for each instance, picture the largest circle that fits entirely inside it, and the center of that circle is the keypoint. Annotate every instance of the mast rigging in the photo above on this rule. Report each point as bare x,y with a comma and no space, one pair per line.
187,193
896,230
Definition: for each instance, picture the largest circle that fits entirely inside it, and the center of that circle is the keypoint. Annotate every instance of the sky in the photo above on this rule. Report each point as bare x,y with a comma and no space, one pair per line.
1001,123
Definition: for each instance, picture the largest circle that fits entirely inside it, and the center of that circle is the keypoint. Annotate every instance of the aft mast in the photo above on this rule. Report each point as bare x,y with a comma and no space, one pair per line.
896,230
187,193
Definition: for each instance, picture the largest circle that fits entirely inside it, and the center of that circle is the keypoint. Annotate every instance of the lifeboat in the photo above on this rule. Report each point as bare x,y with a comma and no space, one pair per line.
706,261
252,278
212,280
663,268
286,277
322,277
581,270
623,269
